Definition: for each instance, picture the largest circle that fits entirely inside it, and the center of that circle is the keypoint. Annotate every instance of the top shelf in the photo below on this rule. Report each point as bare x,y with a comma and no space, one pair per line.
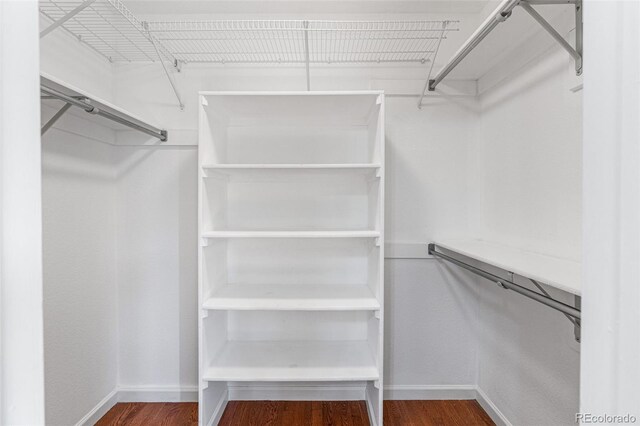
560,273
108,27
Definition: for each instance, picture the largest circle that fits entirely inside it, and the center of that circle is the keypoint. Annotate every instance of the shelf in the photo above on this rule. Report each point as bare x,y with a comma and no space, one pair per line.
290,361
284,297
105,113
560,273
511,45
109,28
249,172
297,41
232,169
291,234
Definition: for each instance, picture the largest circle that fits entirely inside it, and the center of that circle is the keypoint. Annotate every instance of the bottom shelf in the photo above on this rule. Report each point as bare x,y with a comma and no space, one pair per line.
291,361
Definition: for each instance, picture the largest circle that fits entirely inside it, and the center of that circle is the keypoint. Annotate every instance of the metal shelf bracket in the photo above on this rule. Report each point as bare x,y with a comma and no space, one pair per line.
306,53
433,61
55,118
502,14
576,53
164,67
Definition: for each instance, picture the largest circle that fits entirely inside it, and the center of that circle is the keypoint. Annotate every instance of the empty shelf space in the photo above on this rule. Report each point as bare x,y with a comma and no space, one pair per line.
292,297
564,274
293,361
291,234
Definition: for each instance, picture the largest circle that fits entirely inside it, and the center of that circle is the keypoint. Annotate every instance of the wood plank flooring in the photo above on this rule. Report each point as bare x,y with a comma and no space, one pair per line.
151,413
303,413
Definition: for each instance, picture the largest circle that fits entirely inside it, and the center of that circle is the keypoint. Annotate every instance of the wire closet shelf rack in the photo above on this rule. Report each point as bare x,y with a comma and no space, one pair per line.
298,42
111,29
106,26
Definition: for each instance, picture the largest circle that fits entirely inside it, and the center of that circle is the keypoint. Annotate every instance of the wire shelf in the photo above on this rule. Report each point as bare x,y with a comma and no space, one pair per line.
266,42
109,28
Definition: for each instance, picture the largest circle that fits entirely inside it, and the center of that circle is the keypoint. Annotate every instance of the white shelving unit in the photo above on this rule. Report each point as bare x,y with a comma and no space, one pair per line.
291,249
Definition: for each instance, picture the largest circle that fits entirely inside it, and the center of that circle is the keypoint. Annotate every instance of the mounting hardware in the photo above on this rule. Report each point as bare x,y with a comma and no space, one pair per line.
427,84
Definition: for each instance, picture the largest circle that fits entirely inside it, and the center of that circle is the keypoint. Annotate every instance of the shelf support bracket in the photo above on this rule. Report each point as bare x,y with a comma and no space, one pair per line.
66,17
55,118
577,56
164,67
427,83
577,304
306,53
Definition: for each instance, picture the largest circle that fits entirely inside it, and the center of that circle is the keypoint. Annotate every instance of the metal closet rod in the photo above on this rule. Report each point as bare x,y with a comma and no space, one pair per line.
501,14
510,285
85,104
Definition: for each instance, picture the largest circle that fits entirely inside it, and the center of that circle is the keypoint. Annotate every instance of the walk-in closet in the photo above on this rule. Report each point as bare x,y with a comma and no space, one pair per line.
309,212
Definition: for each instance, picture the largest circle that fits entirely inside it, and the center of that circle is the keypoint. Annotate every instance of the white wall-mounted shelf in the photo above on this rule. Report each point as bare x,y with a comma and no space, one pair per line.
293,361
564,274
258,171
292,297
514,44
104,114
292,255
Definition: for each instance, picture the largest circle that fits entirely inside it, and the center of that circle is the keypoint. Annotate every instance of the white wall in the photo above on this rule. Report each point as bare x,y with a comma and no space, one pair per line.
79,249
530,159
528,195
157,268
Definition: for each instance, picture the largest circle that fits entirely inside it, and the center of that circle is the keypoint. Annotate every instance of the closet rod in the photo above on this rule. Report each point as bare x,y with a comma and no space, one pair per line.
85,104
501,14
510,285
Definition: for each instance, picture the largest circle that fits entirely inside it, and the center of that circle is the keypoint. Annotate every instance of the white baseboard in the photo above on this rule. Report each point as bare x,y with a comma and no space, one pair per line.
272,392
437,392
100,409
423,392
157,394
492,410
319,392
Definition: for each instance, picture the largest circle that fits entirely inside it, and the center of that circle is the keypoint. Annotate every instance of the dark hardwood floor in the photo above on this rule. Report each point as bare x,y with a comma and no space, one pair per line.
151,413
304,413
